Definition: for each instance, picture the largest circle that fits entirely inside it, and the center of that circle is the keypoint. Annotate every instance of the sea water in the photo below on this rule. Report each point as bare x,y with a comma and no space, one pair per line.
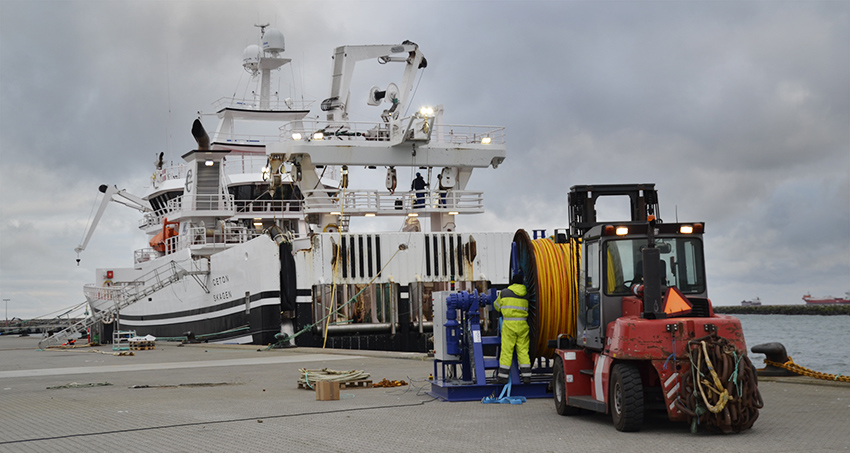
820,343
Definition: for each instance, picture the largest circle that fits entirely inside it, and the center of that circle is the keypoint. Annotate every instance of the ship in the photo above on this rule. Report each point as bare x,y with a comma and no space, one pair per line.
253,237
751,303
827,300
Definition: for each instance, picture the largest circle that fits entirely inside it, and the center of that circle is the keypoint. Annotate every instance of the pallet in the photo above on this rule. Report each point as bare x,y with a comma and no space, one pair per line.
363,383
142,348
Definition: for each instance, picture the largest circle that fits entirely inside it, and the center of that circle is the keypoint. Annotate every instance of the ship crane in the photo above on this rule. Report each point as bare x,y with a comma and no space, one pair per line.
120,196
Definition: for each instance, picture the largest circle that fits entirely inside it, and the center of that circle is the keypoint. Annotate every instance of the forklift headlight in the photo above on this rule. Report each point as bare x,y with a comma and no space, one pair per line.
686,229
622,231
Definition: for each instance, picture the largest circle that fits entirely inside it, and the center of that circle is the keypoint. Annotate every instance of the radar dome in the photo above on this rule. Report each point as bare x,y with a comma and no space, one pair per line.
273,41
251,58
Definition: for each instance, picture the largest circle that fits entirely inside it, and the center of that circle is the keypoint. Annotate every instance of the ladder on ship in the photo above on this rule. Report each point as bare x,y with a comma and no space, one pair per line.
125,296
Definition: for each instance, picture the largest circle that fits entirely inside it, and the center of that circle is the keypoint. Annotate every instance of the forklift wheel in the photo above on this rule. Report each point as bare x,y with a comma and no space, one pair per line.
559,389
626,399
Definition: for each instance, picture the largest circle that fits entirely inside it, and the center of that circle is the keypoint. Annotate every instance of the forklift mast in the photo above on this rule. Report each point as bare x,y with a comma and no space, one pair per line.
582,200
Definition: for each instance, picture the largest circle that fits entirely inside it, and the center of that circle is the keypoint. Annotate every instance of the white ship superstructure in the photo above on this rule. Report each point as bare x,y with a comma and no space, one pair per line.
250,238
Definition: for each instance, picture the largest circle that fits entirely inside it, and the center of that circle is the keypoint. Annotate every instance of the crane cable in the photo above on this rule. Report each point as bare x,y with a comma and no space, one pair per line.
335,270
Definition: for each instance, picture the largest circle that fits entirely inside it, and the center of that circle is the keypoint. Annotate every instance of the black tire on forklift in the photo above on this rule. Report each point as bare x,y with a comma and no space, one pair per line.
626,397
559,388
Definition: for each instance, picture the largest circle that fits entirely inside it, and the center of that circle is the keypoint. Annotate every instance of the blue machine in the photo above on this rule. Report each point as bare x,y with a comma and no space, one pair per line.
458,342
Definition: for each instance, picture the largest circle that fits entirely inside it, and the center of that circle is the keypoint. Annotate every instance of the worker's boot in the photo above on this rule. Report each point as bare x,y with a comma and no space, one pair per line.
525,380
503,375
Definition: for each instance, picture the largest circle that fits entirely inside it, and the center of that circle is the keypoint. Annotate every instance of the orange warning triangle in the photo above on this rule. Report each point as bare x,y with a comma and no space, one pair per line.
675,303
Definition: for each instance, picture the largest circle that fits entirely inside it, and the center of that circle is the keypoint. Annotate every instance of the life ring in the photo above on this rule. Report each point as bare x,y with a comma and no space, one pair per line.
330,228
107,283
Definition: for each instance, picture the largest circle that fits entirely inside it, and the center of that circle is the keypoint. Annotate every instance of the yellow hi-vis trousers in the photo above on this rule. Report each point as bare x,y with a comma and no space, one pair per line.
515,334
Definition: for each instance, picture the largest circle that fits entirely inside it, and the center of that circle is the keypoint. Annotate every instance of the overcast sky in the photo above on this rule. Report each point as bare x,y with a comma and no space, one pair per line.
738,111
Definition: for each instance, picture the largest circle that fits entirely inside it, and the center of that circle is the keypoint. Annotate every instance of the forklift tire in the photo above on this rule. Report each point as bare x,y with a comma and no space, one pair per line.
626,397
559,389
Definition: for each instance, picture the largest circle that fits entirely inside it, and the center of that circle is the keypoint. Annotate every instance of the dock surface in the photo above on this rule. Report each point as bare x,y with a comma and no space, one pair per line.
215,398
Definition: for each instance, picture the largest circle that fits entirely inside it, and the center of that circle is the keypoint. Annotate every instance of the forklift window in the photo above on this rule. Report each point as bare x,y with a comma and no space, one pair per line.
682,265
592,265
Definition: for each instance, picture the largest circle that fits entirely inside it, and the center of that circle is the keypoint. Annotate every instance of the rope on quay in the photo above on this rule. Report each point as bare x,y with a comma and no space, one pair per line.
801,370
311,376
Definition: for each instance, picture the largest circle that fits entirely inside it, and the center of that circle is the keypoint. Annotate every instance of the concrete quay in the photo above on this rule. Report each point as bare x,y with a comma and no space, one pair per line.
215,398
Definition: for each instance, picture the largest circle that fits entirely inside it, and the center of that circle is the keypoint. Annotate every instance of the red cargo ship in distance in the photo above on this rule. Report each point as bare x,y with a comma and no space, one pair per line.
828,300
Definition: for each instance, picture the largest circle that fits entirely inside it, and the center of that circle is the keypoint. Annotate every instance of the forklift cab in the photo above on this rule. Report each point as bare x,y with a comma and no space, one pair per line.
639,257
613,266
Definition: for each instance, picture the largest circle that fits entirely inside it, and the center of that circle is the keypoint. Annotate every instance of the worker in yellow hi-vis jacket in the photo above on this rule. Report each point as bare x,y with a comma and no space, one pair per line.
513,306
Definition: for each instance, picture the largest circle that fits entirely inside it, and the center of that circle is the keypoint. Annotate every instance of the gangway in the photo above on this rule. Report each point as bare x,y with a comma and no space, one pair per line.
125,296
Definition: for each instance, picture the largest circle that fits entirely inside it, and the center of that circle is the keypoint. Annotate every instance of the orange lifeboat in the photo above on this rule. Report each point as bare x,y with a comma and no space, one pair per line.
159,242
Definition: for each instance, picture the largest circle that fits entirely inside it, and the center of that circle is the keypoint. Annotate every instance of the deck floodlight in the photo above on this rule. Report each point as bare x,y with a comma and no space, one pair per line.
296,136
318,136
485,141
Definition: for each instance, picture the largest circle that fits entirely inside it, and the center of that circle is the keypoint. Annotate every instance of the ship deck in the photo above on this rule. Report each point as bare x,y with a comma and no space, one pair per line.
238,398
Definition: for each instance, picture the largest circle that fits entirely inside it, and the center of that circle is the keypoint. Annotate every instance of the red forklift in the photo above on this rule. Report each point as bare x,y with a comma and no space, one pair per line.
646,334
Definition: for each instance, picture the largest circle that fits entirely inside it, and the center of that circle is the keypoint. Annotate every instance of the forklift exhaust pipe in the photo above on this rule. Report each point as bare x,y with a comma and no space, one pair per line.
651,256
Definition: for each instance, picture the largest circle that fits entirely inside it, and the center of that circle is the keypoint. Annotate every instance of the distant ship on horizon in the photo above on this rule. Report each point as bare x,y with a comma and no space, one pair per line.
827,300
751,303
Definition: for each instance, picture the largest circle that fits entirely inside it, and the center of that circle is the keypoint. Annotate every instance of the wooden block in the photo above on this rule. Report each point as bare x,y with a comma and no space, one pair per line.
327,391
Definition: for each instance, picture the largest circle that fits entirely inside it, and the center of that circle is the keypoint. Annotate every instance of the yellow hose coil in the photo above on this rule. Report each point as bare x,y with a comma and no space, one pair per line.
550,272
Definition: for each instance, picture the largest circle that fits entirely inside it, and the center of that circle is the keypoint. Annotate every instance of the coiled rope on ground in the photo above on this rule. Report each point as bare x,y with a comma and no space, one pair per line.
720,389
308,377
801,370
549,270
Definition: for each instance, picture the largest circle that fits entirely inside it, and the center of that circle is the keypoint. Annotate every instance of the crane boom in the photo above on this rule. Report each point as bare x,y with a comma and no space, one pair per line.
115,194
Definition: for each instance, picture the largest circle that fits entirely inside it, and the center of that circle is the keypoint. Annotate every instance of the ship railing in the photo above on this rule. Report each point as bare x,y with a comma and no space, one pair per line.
143,255
211,202
98,293
385,203
224,237
203,202
283,105
241,164
243,139
456,134
266,207
167,173
129,292
155,218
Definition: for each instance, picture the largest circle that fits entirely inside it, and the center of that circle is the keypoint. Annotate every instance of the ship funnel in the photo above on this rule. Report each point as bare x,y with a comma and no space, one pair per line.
200,135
